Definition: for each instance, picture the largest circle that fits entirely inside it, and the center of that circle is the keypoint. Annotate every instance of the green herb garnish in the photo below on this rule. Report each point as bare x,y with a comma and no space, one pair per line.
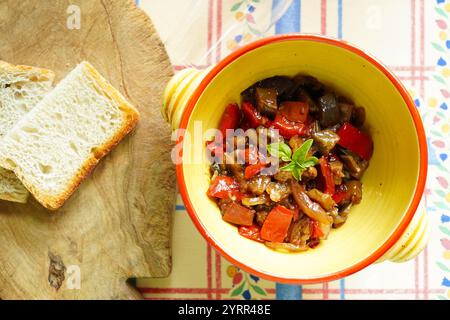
298,162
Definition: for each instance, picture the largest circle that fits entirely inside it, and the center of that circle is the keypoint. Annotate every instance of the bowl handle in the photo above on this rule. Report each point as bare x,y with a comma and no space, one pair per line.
176,97
414,239
178,92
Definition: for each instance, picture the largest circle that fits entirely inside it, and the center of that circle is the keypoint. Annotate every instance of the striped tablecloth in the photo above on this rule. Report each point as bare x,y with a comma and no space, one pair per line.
410,36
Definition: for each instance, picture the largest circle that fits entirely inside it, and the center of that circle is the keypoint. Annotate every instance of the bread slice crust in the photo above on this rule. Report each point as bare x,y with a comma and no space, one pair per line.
130,119
34,74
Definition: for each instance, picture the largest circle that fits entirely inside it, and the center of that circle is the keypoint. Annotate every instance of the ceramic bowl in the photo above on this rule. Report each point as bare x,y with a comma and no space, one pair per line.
392,185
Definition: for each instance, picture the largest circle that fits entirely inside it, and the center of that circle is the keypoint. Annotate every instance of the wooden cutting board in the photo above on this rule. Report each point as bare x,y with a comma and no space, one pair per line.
116,226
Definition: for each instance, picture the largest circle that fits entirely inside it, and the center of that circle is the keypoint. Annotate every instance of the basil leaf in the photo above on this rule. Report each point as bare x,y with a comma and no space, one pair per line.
289,167
285,152
310,162
296,173
280,150
300,154
273,149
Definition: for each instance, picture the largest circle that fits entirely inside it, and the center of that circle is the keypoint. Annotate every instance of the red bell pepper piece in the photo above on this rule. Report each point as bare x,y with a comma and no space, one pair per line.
296,111
253,169
287,128
356,141
238,214
340,194
316,232
253,117
277,224
230,118
249,155
224,187
252,232
327,176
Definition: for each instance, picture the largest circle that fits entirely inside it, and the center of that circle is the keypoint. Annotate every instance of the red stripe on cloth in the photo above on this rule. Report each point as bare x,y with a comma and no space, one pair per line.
219,31
196,66
409,68
413,39
209,32
218,275
209,270
325,291
416,277
415,78
422,44
425,274
323,17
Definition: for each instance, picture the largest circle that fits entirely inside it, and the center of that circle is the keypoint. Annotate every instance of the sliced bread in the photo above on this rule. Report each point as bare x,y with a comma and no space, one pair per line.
55,146
21,88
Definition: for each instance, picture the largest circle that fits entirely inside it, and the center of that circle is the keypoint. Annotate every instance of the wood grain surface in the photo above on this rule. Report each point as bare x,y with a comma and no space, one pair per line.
116,226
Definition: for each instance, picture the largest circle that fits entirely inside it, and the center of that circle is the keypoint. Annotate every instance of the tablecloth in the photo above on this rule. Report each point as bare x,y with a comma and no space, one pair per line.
412,37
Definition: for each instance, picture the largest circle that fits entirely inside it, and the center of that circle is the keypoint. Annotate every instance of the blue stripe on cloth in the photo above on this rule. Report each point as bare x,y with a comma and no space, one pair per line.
288,292
342,289
180,207
340,19
291,20
137,2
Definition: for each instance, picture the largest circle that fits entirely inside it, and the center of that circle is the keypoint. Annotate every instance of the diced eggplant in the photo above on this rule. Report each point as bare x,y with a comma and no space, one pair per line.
300,231
324,199
340,219
237,171
309,174
326,140
258,184
283,176
311,84
358,116
266,101
248,95
354,191
278,191
238,214
261,217
303,95
284,86
337,168
355,165
329,113
254,201
346,111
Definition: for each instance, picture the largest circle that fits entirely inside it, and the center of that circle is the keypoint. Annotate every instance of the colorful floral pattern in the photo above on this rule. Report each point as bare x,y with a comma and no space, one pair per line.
244,285
244,14
439,141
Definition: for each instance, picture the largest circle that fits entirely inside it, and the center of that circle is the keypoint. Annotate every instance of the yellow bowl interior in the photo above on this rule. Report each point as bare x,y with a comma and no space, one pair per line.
388,184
